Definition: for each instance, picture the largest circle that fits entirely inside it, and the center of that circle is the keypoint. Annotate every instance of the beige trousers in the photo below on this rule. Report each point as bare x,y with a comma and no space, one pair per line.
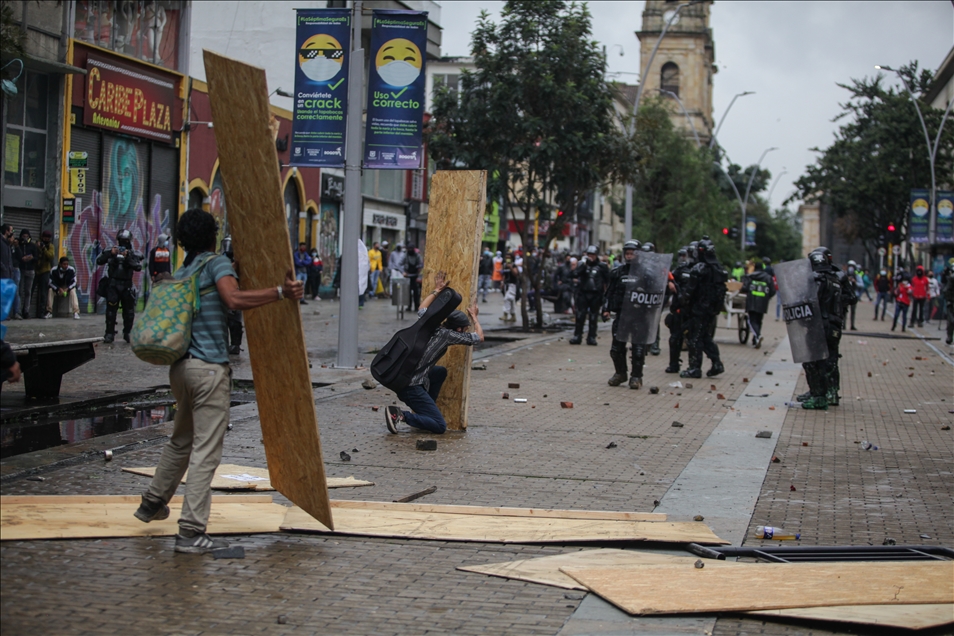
74,301
202,391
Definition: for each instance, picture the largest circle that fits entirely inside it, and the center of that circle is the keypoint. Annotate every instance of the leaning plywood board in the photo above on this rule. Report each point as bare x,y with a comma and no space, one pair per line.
235,477
496,529
504,512
682,588
238,95
546,571
103,519
455,227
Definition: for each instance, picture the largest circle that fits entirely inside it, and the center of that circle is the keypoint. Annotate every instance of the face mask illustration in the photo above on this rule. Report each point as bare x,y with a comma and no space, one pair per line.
320,69
399,73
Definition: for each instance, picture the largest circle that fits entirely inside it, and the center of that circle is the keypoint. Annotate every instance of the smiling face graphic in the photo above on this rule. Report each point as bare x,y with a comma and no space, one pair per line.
320,57
398,62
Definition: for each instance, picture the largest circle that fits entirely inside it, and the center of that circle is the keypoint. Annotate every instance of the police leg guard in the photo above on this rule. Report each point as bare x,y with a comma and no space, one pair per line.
695,364
594,323
618,356
639,360
654,349
111,311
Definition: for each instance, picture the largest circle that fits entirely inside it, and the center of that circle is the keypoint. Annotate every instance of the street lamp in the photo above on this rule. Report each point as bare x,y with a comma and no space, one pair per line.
674,16
745,201
932,150
775,183
684,112
719,127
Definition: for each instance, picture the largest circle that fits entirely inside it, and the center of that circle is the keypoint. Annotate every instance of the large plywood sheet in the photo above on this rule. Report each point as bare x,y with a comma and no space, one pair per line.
235,477
104,517
455,226
384,522
503,512
546,571
238,95
682,588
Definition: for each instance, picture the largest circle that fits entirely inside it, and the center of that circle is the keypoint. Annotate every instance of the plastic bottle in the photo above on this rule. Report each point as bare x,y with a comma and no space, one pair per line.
775,534
866,445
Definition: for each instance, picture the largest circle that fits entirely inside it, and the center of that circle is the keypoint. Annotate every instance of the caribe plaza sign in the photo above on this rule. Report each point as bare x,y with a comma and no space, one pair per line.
128,100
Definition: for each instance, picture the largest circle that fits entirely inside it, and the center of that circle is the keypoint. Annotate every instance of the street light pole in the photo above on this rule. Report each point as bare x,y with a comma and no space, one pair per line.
932,150
745,201
628,214
719,127
775,183
684,112
731,183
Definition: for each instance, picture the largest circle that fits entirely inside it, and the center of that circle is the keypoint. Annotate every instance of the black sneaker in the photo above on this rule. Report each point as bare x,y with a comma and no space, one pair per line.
126,336
200,543
151,511
392,415
592,342
575,340
108,338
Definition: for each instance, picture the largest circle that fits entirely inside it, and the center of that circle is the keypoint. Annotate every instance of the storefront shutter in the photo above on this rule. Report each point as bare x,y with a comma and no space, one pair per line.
24,219
90,141
164,182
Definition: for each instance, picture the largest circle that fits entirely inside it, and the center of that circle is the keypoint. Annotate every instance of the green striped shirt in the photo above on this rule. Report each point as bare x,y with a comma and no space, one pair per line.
209,326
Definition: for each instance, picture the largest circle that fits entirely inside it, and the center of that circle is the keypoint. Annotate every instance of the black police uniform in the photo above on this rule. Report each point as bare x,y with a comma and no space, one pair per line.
120,269
759,289
615,293
819,372
704,296
676,319
593,279
848,300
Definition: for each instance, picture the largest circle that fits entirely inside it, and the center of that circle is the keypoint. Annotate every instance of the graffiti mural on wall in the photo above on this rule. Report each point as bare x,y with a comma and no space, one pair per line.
217,208
118,206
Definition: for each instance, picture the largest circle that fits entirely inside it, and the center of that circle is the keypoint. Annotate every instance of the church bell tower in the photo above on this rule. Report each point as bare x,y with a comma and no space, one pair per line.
684,64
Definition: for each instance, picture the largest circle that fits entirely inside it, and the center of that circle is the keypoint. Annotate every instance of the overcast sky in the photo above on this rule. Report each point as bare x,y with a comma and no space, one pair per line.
791,54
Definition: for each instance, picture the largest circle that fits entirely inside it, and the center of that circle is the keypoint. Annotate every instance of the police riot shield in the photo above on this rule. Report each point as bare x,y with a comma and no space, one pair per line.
798,293
645,291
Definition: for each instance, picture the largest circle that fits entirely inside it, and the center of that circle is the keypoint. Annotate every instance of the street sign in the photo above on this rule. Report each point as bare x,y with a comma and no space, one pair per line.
882,251
896,250
78,159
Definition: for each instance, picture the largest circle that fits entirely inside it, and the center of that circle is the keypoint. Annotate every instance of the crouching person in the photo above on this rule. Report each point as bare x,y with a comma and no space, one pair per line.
201,384
421,394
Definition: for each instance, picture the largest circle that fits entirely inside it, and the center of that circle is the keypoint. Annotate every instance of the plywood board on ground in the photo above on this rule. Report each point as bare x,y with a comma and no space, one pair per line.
235,477
104,519
497,529
504,512
238,95
678,588
546,571
455,227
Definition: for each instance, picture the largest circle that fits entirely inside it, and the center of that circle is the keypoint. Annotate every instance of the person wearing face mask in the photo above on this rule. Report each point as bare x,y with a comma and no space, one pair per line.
759,289
615,297
593,277
882,285
29,254
160,259
123,261
63,283
485,270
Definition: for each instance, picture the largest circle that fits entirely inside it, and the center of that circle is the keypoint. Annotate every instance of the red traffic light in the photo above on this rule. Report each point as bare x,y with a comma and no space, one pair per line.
725,231
559,212
891,227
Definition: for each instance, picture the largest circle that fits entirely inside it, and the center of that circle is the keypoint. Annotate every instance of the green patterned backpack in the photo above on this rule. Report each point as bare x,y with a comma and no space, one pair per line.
163,333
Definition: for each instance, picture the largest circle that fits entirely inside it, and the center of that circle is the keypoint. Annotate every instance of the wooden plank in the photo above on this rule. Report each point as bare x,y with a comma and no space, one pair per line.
80,499
922,616
502,512
383,522
99,520
238,95
235,477
546,571
60,343
455,226
669,589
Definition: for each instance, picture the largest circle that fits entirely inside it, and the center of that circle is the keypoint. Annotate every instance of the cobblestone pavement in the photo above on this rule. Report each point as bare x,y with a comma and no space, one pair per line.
532,455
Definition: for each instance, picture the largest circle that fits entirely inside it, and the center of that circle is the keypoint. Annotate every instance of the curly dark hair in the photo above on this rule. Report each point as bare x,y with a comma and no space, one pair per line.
196,231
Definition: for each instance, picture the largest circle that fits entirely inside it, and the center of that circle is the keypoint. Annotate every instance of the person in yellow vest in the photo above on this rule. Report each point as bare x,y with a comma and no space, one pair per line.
374,256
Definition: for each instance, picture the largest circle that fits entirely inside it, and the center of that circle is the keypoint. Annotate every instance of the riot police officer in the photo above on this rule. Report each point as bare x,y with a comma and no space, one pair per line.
614,302
759,289
592,277
677,317
122,262
653,348
849,298
704,296
821,374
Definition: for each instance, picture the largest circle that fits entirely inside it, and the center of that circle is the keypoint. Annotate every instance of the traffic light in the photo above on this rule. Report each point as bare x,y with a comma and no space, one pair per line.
733,232
725,231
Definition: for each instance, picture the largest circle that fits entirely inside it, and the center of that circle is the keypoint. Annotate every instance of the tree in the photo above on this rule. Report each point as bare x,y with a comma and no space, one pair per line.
11,34
676,198
537,113
866,176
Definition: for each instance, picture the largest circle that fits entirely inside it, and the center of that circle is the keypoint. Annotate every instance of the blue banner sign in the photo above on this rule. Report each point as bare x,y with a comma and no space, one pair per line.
396,90
944,225
920,208
750,226
322,55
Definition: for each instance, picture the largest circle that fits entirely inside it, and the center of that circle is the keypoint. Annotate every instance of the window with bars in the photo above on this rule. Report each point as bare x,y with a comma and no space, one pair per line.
27,116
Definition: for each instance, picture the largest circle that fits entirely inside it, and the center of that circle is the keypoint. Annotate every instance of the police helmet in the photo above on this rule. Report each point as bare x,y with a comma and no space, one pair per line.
819,258
649,247
766,260
456,320
707,251
738,263
683,251
631,244
592,249
124,237
161,239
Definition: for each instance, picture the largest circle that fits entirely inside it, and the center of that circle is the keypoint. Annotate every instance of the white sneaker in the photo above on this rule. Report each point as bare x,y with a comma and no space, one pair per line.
47,316
76,316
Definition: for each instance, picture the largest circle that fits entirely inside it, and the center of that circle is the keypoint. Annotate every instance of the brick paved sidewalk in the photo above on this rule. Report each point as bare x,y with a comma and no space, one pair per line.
534,454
